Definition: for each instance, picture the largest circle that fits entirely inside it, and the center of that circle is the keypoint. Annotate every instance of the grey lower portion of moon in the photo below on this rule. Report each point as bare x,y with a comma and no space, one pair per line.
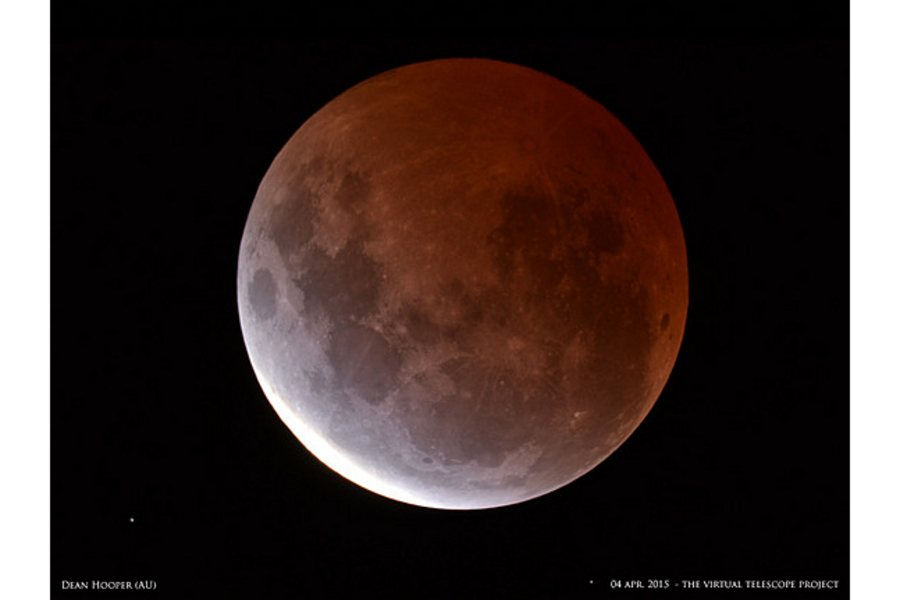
457,295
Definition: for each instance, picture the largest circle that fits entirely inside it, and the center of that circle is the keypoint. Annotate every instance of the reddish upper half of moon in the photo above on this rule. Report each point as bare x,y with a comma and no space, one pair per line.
430,168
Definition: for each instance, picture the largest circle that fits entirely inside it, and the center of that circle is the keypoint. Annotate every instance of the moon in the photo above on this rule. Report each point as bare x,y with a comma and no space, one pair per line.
462,284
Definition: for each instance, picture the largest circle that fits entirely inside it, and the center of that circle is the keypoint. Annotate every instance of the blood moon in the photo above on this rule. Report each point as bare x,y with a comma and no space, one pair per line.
462,284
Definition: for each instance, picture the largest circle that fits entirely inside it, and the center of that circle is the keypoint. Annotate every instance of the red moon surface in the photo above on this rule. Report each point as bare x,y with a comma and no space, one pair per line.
462,284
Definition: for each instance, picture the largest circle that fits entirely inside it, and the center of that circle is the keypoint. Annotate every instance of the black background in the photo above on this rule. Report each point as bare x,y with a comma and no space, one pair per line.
741,471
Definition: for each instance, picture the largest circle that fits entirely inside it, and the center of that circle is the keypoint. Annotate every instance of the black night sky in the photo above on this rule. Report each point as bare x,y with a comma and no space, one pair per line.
741,471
